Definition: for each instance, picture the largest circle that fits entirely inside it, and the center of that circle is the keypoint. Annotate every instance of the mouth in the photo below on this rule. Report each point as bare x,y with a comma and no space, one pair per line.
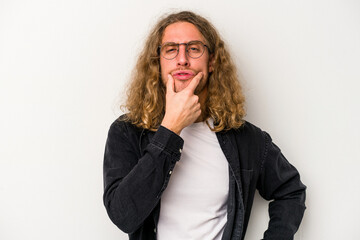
183,75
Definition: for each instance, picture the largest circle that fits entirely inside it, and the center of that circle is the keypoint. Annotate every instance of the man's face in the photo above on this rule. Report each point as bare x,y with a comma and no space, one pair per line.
184,68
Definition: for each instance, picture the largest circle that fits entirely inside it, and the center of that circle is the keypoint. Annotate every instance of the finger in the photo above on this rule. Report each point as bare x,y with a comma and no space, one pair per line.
198,113
196,107
170,84
194,82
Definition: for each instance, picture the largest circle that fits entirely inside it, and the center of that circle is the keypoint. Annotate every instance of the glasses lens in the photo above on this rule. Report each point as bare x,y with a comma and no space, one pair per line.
195,49
169,50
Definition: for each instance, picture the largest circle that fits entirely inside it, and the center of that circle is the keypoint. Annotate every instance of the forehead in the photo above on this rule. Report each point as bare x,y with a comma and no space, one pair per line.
182,32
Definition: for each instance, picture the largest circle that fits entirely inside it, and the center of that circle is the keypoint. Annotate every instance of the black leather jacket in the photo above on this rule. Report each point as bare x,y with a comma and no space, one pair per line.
138,165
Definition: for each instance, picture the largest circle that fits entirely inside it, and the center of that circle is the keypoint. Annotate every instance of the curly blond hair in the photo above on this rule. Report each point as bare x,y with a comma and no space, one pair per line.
225,101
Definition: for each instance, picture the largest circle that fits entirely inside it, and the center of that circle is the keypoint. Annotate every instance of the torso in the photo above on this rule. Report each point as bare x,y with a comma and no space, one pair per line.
194,204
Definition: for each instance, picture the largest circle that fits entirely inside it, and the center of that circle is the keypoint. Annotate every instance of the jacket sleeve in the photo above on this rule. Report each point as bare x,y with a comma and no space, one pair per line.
280,182
134,181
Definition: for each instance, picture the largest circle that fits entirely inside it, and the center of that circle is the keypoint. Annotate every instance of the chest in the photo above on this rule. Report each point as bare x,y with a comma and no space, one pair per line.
201,177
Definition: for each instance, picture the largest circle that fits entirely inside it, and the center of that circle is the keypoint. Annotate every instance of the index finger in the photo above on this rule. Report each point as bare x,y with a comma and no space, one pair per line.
170,84
194,82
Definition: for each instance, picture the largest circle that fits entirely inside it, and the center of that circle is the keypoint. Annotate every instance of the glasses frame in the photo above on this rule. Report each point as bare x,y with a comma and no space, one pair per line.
186,49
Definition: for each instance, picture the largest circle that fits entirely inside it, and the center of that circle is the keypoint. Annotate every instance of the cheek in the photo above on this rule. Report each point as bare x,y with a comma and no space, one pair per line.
162,71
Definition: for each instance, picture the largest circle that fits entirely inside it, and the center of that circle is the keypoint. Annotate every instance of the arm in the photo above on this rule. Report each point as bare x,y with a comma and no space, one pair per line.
134,182
280,182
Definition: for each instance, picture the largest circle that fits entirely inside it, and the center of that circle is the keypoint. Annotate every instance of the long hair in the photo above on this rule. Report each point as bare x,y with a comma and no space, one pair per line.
146,95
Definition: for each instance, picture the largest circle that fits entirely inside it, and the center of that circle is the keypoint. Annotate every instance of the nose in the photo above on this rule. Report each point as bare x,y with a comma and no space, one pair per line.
182,58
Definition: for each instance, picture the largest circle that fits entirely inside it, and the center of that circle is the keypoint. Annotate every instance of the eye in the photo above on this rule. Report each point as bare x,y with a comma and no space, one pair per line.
195,47
170,49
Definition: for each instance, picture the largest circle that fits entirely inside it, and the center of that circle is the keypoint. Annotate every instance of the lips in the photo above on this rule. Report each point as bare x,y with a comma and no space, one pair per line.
183,74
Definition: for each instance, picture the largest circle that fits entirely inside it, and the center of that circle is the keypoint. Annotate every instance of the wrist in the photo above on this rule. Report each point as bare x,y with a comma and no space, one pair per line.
171,127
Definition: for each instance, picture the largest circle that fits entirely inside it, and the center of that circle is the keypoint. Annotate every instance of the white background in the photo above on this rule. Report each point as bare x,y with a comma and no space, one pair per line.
63,68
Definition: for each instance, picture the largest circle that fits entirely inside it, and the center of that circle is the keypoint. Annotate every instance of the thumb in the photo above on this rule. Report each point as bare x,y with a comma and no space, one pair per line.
170,84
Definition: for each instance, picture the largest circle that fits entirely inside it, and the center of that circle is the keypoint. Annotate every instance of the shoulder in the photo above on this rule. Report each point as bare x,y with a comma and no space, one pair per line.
249,127
251,131
251,137
123,126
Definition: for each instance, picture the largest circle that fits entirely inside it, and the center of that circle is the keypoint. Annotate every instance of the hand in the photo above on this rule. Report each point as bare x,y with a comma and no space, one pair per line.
182,108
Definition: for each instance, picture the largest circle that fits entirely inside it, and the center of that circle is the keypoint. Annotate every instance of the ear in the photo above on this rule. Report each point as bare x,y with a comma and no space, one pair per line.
211,63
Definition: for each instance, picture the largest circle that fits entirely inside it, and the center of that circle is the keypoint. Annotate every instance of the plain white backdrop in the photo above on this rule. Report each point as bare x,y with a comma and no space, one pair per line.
63,69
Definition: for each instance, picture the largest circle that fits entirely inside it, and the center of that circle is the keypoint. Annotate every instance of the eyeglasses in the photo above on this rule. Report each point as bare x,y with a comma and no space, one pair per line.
193,49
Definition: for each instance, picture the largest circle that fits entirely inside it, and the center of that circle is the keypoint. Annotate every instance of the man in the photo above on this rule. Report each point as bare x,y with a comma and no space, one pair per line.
182,163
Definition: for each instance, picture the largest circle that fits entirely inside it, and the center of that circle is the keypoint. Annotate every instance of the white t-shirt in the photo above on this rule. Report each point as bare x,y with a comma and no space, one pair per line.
194,204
